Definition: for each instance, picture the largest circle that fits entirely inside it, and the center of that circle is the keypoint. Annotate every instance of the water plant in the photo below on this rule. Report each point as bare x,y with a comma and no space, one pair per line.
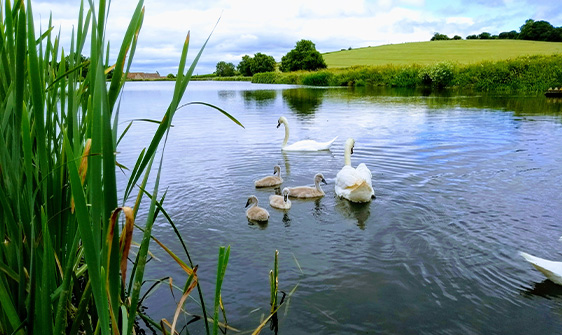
63,263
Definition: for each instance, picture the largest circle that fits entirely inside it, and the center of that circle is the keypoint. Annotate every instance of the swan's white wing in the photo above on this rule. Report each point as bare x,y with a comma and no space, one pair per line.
364,172
353,184
309,145
552,270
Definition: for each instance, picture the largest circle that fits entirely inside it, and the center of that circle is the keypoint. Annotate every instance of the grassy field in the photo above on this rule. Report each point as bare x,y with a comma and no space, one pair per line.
426,53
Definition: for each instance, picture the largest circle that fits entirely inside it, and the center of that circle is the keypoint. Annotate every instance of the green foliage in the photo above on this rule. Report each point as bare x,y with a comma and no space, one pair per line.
485,36
303,57
438,75
534,74
262,63
224,69
64,267
245,66
321,78
539,31
265,78
258,64
439,37
511,35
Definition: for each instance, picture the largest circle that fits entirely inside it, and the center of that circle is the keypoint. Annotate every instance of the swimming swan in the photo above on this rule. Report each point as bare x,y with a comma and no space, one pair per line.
280,201
256,213
552,270
354,184
305,145
309,192
271,181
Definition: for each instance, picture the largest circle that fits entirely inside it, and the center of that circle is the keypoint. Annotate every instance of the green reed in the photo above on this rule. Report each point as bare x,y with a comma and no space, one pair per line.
63,250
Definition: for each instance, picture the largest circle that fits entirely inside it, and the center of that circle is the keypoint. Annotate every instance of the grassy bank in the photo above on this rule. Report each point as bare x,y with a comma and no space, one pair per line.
427,53
528,74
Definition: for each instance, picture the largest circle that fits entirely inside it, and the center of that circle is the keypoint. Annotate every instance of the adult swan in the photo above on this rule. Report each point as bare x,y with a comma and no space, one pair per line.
354,184
305,145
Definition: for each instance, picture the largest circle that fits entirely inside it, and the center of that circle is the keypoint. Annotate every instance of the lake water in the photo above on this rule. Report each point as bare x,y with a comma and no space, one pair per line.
462,182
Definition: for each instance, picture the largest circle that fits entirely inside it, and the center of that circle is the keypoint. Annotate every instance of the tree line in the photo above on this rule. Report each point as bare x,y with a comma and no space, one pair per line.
303,57
532,30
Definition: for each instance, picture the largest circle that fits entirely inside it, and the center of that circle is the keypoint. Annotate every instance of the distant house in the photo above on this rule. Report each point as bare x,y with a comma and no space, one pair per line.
144,76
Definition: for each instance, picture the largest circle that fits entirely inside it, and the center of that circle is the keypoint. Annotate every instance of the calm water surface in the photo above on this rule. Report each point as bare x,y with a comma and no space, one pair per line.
462,184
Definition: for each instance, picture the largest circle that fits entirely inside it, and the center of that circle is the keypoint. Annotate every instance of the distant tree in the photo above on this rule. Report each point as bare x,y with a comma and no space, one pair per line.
439,37
262,63
457,37
245,66
485,36
171,76
557,35
81,64
472,37
224,69
537,31
303,57
508,35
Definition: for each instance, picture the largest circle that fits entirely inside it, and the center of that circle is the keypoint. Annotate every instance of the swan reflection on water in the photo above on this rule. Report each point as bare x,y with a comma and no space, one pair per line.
546,289
356,211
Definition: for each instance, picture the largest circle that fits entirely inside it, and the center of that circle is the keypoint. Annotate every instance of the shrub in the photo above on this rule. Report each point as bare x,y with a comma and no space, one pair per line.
317,79
438,75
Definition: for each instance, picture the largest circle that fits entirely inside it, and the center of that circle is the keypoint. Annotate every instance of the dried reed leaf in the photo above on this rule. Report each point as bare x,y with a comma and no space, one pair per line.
83,169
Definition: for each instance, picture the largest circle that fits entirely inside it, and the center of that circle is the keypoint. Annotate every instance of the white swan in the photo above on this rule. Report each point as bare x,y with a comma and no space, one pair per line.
271,181
305,145
307,191
256,213
280,201
552,270
354,184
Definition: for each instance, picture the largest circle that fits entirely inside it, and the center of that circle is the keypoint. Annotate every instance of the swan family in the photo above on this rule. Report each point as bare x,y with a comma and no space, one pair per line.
353,184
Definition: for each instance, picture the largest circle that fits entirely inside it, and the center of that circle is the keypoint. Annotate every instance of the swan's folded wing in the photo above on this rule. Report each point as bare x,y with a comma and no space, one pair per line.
348,179
365,173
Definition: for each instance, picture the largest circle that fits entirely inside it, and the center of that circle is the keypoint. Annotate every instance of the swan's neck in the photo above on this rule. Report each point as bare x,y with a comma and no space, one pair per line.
347,154
286,133
317,184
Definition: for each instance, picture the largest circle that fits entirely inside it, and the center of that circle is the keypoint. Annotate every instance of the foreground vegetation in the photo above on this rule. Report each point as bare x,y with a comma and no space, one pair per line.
532,74
65,260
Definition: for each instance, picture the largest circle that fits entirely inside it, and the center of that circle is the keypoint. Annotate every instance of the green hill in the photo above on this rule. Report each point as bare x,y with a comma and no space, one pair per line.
424,53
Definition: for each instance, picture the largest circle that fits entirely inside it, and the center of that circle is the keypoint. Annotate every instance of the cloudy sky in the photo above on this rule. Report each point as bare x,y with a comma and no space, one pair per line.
247,27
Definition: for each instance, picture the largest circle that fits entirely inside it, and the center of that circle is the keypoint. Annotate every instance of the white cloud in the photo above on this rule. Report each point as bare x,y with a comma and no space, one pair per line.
273,27
460,20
